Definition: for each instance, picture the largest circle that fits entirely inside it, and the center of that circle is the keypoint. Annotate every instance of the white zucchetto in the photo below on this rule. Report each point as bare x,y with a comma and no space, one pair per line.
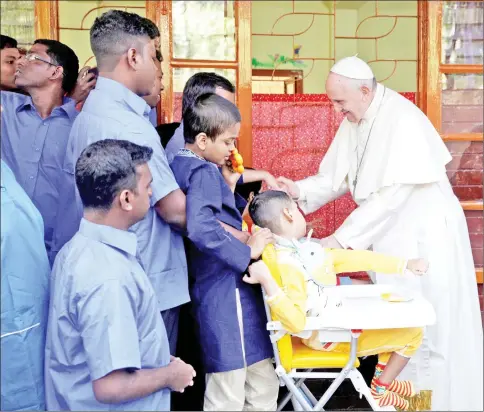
353,68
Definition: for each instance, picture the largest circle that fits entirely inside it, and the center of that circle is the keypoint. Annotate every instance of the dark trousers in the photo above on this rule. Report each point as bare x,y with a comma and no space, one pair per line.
188,349
170,318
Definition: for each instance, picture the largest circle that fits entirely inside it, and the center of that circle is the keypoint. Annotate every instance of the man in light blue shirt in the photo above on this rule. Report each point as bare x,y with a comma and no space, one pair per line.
35,127
25,298
107,347
126,58
197,85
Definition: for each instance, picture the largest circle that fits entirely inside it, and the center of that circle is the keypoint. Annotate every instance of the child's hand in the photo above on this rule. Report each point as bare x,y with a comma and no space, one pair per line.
259,273
230,177
258,241
418,266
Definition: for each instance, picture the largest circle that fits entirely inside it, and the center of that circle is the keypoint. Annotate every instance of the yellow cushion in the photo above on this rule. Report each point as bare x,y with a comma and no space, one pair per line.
307,358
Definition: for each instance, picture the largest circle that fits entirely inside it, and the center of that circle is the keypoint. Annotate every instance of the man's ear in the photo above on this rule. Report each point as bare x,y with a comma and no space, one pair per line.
58,73
365,90
126,200
287,214
133,58
201,140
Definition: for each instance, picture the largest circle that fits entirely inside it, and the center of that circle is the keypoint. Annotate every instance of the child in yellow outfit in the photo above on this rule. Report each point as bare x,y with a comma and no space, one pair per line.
301,291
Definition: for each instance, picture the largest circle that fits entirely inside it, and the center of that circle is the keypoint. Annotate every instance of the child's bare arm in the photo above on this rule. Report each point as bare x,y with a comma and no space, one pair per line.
252,175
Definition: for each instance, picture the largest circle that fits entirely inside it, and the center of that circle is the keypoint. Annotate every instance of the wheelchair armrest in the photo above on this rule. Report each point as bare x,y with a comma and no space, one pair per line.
329,334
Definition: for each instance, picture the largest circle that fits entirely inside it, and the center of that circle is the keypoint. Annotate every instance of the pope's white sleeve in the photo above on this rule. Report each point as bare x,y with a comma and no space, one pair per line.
316,191
373,217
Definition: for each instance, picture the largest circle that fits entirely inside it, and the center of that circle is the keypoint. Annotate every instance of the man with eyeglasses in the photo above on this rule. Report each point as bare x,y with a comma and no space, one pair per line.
35,127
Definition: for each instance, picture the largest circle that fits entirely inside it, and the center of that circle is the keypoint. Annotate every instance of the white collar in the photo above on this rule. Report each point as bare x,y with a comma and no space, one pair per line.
375,104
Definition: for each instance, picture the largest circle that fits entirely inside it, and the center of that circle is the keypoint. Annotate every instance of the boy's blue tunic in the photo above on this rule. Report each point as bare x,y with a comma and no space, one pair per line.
217,262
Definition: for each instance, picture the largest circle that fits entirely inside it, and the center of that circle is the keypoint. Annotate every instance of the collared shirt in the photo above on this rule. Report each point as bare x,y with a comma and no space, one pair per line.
176,143
34,148
153,117
103,317
25,298
112,111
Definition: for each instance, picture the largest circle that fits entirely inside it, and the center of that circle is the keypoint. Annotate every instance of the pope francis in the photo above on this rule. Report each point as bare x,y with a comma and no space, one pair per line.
392,160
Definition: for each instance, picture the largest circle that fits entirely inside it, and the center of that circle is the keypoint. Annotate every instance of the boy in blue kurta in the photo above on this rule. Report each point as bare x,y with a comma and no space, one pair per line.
230,315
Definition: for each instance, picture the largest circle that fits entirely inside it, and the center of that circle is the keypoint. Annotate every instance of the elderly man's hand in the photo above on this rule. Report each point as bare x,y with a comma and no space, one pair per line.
288,186
330,242
85,83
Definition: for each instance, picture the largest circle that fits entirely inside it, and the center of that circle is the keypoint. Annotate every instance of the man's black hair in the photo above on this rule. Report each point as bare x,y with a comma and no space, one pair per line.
7,42
115,31
203,83
65,57
107,167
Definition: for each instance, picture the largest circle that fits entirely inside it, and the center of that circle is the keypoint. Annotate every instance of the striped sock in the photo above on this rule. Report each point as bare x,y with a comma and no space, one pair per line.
402,388
385,397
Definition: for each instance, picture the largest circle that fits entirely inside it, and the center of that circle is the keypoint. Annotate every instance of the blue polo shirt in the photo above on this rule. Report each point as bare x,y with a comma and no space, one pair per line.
103,317
112,111
34,148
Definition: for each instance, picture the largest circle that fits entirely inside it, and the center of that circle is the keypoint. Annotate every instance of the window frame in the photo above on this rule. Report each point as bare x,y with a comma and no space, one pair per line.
161,13
430,85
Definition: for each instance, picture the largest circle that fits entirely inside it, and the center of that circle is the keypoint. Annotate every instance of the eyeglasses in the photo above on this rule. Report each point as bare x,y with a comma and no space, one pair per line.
30,57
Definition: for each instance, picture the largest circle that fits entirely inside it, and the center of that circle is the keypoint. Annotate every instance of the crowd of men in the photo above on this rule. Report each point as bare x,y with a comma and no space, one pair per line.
98,236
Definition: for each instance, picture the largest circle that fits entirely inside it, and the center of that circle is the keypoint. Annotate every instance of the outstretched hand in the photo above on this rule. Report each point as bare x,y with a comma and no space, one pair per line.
418,267
289,186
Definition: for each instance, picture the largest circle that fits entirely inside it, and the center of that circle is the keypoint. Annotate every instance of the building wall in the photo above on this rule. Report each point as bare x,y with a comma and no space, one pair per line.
312,33
76,18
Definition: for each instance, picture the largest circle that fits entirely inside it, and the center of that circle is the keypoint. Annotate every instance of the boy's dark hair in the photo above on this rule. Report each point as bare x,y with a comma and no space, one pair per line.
7,42
107,167
115,31
210,114
65,57
203,83
266,208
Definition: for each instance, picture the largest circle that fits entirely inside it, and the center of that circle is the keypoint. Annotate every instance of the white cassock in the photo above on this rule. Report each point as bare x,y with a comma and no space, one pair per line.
406,207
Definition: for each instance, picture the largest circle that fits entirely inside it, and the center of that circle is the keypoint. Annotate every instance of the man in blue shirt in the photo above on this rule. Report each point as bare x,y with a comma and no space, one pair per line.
197,85
35,127
107,347
126,58
25,298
